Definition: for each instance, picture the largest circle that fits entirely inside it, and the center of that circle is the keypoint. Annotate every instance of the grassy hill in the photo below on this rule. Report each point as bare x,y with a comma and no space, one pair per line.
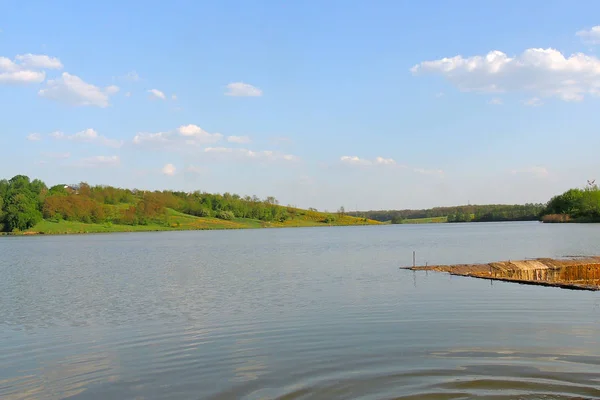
179,221
29,207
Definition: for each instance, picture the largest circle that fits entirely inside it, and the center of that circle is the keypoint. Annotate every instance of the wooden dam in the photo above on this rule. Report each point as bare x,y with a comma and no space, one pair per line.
579,273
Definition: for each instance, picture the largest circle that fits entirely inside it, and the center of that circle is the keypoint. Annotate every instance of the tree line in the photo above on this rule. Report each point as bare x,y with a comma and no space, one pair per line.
25,202
467,213
579,205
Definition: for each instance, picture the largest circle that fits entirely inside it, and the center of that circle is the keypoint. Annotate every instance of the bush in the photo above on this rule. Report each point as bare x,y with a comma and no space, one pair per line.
328,219
203,212
556,218
226,215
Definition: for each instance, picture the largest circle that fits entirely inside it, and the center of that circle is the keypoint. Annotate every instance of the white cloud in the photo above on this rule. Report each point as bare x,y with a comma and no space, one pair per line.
354,160
388,162
238,139
88,136
246,154
439,95
157,94
28,68
591,36
39,61
99,161
128,94
174,97
34,137
169,169
71,89
184,138
112,89
158,137
496,101
198,135
385,161
537,171
542,72
241,89
533,102
22,77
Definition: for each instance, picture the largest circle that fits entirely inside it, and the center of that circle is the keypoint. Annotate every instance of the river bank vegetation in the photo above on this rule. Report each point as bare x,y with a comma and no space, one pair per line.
468,213
29,206
574,205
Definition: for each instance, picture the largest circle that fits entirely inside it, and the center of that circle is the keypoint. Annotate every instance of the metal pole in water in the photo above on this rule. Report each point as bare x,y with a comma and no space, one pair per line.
414,259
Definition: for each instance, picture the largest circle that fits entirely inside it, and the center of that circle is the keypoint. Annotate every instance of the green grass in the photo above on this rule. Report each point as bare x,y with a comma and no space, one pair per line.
180,221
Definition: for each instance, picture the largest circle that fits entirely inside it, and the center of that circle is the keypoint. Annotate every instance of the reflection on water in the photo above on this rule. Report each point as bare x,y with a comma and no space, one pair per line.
294,314
58,379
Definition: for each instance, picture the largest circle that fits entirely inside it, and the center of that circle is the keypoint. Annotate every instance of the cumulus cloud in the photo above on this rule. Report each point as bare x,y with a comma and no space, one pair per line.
198,134
241,89
34,137
99,161
88,136
22,77
354,160
591,36
145,138
496,101
184,137
385,161
229,153
39,61
169,169
157,94
542,72
72,90
27,68
389,162
238,139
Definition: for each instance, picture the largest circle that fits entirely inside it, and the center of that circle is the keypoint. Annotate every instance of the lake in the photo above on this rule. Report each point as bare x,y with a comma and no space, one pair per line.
302,313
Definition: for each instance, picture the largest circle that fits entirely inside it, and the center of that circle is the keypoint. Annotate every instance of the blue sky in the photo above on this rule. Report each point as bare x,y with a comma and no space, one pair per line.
369,105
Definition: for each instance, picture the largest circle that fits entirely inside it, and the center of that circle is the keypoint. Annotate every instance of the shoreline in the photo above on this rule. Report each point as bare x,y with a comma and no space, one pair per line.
172,229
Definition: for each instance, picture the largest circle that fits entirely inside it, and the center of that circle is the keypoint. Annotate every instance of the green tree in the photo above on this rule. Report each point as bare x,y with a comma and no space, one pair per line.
22,213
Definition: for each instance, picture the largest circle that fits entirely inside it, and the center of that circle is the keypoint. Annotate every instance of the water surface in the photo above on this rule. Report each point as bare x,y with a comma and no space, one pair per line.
315,313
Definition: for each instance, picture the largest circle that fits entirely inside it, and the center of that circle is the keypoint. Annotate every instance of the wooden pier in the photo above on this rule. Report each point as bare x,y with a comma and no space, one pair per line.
578,273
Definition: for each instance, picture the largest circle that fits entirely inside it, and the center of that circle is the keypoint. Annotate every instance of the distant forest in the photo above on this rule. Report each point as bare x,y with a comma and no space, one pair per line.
469,213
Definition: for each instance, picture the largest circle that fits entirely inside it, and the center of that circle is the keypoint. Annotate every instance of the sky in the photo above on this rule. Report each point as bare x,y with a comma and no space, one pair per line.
362,104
